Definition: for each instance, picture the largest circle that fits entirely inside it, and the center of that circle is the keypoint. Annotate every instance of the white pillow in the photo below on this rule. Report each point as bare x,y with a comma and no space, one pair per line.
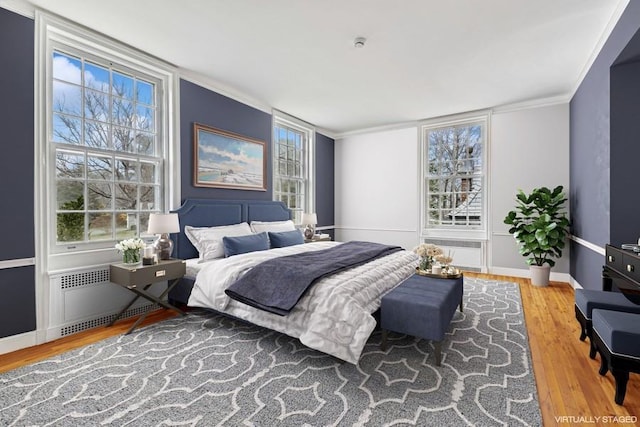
208,240
272,226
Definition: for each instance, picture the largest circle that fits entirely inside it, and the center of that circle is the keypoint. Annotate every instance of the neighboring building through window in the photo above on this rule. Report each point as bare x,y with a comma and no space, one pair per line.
454,177
293,165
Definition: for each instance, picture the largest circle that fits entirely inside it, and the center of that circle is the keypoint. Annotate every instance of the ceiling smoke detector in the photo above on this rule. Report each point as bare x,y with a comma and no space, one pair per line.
359,42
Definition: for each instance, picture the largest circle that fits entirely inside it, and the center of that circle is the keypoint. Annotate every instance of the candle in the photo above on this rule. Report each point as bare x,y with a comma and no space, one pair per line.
149,256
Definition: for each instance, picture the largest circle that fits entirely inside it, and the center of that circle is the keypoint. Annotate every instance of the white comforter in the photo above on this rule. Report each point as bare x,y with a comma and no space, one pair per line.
334,316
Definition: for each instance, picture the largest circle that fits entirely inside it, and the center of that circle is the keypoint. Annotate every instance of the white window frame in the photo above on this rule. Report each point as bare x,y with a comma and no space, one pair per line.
455,232
285,120
53,33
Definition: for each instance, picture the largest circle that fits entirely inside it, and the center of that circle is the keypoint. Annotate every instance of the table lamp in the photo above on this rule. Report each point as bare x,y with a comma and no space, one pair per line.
309,220
163,224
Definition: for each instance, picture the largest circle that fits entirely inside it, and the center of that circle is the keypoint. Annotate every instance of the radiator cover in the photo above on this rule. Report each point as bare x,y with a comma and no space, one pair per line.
82,299
467,255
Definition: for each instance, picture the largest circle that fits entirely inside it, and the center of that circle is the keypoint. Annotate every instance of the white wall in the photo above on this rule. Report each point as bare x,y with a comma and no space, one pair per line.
529,148
376,189
377,180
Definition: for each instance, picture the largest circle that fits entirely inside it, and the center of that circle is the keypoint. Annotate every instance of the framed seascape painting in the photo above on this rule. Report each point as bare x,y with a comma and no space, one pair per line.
227,160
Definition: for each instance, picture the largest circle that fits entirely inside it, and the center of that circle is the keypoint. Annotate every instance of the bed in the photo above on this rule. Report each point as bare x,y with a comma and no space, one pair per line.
334,316
211,213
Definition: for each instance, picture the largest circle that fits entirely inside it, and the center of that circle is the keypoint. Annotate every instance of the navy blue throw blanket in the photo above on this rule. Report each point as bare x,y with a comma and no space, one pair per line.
276,285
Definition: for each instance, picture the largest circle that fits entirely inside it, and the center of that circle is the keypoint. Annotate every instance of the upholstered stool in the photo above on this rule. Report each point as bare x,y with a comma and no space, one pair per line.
586,300
616,336
423,307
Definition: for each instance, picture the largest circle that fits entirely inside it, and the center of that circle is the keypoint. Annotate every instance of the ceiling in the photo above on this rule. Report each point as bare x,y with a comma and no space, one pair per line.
422,58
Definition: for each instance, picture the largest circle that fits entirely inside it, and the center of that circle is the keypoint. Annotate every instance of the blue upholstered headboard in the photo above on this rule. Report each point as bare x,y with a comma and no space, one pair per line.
210,213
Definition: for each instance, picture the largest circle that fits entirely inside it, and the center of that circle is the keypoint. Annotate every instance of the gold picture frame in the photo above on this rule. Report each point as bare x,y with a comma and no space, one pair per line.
225,159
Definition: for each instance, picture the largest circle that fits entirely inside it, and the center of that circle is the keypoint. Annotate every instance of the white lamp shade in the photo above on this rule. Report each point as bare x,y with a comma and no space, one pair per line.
309,218
163,223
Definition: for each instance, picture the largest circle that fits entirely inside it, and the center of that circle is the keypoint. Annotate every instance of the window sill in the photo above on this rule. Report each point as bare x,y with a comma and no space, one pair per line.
452,234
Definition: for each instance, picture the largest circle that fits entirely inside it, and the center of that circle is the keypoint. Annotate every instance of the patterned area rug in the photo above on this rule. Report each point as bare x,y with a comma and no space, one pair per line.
208,369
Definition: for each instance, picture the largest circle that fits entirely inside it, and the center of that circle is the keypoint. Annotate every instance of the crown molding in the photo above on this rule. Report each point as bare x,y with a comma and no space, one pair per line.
622,5
228,91
223,89
28,10
326,132
375,129
506,108
20,7
532,103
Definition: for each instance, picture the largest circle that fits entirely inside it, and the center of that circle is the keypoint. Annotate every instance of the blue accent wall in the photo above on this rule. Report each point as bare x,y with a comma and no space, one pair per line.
201,105
325,180
586,263
17,285
16,138
18,302
625,152
597,192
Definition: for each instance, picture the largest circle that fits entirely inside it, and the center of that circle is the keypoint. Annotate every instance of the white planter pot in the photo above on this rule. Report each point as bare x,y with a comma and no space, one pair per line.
540,275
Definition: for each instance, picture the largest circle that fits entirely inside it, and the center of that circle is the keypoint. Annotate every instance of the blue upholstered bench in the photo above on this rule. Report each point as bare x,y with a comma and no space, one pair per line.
423,307
616,336
587,300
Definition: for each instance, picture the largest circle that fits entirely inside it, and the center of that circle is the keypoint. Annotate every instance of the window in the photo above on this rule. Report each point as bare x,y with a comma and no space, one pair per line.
107,158
292,165
106,121
453,177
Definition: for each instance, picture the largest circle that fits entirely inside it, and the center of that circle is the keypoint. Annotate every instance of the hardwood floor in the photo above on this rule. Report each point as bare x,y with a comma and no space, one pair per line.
570,390
29,355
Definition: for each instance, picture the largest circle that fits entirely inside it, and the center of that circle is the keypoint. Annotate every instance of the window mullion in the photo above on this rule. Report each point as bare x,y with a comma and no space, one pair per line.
94,124
291,150
452,152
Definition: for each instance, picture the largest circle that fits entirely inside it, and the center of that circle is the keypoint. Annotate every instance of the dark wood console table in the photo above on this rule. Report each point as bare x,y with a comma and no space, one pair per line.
622,270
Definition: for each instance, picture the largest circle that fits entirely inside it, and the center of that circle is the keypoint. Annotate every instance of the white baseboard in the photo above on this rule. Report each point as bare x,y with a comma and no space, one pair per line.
18,342
520,272
575,284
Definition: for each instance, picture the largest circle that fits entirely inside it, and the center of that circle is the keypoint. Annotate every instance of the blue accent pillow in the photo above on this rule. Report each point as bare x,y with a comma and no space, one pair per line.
243,244
285,238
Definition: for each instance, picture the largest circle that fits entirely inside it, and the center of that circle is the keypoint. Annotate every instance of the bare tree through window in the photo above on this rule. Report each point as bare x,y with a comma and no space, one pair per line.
454,176
107,160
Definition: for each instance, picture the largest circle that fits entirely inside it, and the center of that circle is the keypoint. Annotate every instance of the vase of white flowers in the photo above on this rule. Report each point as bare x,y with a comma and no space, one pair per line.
130,249
427,253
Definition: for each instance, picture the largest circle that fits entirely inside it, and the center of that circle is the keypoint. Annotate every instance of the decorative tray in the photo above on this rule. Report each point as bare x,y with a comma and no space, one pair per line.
451,274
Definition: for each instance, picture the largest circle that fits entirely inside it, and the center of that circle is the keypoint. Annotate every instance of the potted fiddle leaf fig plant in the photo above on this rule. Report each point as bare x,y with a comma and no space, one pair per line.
540,225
